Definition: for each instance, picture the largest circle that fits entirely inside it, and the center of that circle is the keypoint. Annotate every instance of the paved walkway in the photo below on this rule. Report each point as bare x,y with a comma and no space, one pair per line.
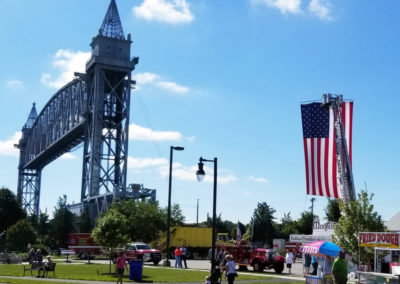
44,280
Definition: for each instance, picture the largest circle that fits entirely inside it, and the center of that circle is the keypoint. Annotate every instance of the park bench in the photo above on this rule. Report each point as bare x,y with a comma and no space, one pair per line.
50,267
32,266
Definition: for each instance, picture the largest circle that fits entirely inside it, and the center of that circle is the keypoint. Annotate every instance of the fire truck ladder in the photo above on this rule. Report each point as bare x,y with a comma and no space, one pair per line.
345,174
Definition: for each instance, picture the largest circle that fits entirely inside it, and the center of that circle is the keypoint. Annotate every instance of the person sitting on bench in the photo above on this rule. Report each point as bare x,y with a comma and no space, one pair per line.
46,266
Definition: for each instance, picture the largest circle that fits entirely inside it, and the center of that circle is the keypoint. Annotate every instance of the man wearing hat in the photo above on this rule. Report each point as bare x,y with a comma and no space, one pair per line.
339,269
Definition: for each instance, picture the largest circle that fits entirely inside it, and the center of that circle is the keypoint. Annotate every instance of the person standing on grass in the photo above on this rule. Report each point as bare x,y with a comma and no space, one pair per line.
178,263
289,260
183,256
230,269
120,265
32,256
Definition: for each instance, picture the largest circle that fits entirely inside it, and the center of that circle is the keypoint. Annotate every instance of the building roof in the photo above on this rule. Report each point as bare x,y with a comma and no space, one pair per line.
111,26
394,223
32,117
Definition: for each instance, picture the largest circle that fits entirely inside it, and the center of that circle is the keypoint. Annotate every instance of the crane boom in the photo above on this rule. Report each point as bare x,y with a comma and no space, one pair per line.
345,174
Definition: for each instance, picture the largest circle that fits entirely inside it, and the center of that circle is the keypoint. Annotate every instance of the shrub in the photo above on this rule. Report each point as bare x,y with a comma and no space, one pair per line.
42,248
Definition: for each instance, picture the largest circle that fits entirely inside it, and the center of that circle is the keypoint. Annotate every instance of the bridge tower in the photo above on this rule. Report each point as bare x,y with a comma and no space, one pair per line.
28,191
92,109
105,151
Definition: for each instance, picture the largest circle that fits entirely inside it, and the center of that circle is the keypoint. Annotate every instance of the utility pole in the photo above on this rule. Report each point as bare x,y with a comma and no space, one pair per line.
312,205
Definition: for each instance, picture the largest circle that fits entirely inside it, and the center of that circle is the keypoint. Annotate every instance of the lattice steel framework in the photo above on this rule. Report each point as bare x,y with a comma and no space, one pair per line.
93,109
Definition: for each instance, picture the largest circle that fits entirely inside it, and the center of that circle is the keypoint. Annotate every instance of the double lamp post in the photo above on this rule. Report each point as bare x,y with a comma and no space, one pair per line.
200,173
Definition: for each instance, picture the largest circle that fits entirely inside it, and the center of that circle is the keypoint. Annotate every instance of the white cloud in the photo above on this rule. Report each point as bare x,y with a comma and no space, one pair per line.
190,139
173,87
188,173
7,146
167,11
179,171
145,78
15,84
137,132
141,163
321,8
67,62
155,79
284,6
258,179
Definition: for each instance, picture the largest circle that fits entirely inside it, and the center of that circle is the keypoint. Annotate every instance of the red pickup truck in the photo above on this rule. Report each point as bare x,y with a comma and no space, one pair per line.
142,251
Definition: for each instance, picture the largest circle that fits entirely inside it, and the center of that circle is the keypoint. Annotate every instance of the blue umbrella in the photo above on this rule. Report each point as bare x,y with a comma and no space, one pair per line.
327,248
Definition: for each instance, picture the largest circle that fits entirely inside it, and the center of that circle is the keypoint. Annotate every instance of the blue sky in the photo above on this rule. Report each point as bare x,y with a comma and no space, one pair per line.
223,79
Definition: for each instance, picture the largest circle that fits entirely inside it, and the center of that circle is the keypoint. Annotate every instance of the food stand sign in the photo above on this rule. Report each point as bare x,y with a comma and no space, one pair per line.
379,240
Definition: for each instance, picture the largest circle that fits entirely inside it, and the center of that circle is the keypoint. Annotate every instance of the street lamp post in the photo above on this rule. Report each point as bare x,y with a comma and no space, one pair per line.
177,148
200,176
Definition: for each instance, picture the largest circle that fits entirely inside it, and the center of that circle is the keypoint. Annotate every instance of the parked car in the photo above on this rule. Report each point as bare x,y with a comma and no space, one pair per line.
141,251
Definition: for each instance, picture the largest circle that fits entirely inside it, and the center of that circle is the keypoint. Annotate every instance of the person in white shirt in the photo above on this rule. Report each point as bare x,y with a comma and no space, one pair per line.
289,260
230,269
183,256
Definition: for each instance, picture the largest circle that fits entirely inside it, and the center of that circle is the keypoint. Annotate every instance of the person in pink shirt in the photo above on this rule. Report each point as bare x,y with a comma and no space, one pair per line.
121,261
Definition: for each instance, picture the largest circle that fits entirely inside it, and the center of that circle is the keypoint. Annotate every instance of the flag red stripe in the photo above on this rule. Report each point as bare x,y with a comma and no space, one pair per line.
326,168
307,165
334,168
351,132
319,177
312,166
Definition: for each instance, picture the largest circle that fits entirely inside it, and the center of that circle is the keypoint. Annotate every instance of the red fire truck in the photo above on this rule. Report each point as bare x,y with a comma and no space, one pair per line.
83,245
258,258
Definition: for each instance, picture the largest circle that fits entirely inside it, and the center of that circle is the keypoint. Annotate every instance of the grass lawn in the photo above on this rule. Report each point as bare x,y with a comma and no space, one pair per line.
26,281
97,272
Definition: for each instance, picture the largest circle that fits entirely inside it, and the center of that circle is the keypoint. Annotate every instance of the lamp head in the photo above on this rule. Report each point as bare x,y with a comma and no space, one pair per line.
178,148
200,172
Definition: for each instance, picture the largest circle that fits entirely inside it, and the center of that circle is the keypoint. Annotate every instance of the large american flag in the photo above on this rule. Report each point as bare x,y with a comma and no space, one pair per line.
320,146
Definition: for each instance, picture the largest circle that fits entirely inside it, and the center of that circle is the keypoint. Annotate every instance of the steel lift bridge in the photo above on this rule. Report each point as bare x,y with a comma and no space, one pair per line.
92,109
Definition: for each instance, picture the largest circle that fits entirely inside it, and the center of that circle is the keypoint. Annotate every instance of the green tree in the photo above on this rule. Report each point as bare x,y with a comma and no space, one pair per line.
84,222
286,227
233,232
332,210
221,226
10,210
62,222
177,217
111,231
263,224
305,223
20,235
43,225
358,216
146,220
